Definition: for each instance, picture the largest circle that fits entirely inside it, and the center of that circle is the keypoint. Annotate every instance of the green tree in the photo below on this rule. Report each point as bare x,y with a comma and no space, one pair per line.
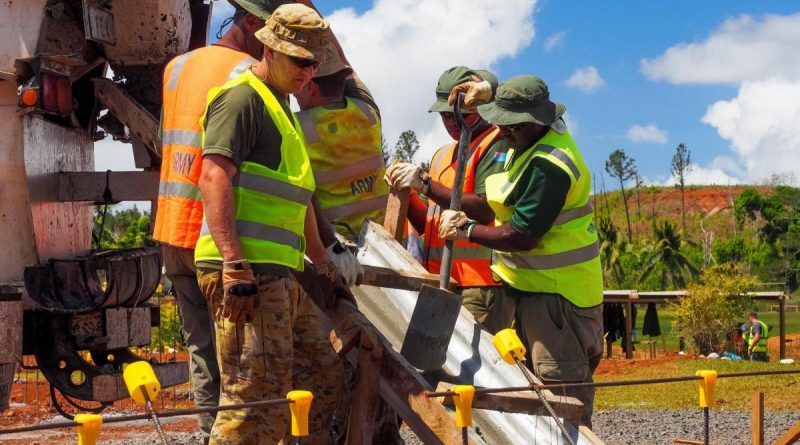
681,167
664,254
407,146
620,166
122,229
712,306
612,246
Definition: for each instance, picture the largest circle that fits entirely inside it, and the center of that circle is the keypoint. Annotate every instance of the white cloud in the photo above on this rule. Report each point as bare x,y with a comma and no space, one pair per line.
706,176
400,47
113,155
572,123
743,48
554,41
647,133
760,123
586,79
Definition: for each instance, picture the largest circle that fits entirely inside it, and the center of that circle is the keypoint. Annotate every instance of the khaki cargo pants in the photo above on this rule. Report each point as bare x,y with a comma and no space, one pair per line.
564,342
198,330
479,301
282,349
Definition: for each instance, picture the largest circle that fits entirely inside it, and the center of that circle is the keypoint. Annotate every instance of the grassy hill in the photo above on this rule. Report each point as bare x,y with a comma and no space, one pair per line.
711,206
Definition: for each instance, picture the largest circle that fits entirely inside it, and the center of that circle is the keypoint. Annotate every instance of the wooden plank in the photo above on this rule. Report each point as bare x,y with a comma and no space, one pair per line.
782,329
757,418
61,229
791,436
345,336
396,212
399,279
691,442
362,413
143,126
524,402
124,186
400,386
628,330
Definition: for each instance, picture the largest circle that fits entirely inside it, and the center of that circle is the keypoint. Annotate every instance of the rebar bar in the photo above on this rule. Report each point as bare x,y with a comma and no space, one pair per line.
546,404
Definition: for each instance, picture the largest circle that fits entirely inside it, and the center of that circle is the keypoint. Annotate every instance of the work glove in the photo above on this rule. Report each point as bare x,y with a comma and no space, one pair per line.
345,262
240,298
454,225
476,92
402,175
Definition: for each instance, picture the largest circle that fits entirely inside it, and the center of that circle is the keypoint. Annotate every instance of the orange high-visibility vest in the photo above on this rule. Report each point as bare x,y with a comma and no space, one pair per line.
470,261
187,80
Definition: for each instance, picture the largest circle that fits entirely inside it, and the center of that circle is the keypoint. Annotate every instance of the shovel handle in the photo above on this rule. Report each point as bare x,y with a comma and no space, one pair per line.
458,185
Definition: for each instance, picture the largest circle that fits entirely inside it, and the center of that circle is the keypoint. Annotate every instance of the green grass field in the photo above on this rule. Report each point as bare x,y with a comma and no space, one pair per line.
782,393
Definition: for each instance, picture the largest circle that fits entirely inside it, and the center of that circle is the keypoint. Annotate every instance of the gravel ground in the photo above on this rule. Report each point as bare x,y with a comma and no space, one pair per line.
618,427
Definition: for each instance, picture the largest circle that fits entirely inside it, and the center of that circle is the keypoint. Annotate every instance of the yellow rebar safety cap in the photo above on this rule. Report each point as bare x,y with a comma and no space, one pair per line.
509,346
299,408
141,381
462,398
89,428
706,388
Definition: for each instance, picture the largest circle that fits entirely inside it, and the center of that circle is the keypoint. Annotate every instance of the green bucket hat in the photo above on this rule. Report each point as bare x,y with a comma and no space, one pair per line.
449,80
260,8
522,99
296,30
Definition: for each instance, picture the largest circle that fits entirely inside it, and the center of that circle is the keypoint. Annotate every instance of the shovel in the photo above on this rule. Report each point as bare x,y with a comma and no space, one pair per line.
434,318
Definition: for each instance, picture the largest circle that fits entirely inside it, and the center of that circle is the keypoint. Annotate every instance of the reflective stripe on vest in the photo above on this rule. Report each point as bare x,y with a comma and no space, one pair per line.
270,204
344,148
187,81
262,232
553,261
566,260
470,261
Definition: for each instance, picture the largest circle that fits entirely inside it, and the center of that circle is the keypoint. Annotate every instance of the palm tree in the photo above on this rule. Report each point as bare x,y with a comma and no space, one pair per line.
666,252
612,245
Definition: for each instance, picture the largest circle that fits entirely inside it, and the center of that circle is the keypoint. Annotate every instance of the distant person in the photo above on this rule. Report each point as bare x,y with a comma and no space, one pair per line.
757,340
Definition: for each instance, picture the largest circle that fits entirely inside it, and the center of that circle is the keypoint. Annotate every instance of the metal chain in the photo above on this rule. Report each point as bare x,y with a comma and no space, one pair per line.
546,404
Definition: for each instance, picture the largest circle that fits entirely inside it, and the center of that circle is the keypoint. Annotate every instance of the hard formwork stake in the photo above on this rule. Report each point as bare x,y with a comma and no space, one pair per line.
89,428
299,408
705,388
511,349
462,398
143,387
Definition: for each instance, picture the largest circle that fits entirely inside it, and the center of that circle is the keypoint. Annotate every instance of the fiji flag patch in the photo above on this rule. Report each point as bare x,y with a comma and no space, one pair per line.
500,156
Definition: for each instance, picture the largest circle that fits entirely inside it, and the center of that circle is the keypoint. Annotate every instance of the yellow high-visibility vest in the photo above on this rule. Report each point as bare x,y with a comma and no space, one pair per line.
344,147
762,342
270,205
566,260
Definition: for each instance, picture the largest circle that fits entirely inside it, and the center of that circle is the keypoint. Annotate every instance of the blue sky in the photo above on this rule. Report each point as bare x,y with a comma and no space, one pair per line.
722,76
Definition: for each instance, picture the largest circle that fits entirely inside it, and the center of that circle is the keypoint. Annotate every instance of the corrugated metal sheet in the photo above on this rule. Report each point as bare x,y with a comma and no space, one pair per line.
471,357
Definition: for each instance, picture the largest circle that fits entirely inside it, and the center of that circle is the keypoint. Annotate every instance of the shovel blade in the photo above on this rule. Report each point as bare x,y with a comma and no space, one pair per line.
431,327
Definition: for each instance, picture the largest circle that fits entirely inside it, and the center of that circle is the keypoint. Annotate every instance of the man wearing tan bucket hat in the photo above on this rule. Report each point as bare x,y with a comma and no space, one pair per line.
544,242
179,214
256,184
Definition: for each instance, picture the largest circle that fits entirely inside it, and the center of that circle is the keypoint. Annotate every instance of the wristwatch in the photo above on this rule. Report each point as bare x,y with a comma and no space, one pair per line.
236,265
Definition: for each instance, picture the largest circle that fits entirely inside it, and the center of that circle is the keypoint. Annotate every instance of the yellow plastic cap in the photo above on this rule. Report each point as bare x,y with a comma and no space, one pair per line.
89,428
464,394
706,388
142,383
509,346
299,408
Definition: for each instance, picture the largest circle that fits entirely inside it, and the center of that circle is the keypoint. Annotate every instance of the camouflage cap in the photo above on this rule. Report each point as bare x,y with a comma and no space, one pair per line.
260,8
332,62
450,79
522,99
296,30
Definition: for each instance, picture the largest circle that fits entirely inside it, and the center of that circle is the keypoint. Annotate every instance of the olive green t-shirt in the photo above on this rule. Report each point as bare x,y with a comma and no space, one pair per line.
239,127
491,162
538,198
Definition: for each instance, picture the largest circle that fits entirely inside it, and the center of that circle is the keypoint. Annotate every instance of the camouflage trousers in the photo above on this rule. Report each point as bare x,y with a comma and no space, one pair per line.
283,348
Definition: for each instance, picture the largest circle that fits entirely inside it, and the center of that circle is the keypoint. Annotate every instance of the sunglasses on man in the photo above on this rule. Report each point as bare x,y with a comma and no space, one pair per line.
513,128
304,63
